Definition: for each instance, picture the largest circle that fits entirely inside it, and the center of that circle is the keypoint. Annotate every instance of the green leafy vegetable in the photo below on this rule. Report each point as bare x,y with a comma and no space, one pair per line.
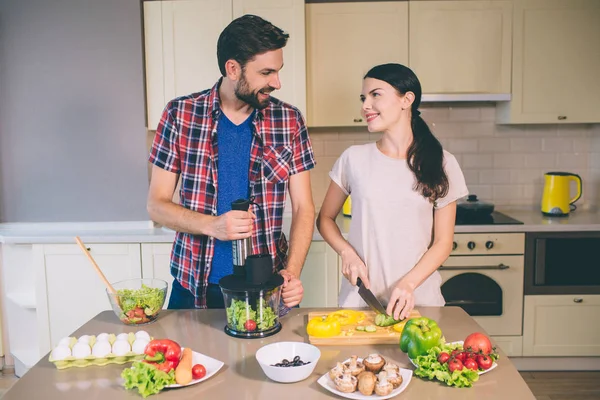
146,378
148,299
429,367
239,312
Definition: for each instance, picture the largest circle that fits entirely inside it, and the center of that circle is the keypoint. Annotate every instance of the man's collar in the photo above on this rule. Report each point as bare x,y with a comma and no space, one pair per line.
215,103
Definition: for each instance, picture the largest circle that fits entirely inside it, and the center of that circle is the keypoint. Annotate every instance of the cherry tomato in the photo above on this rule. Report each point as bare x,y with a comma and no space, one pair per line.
443,357
198,371
471,364
455,365
250,325
459,355
484,362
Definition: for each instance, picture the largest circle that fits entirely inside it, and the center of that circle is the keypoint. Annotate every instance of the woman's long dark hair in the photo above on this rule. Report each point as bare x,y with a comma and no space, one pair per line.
425,155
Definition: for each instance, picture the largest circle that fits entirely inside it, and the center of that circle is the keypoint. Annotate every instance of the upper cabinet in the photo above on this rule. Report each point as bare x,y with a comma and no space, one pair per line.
181,47
344,40
556,60
461,47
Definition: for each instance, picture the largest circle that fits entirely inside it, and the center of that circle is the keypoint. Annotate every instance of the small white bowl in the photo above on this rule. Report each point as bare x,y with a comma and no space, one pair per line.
275,353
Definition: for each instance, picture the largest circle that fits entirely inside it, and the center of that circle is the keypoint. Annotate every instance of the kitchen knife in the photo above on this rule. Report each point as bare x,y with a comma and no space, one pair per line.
370,298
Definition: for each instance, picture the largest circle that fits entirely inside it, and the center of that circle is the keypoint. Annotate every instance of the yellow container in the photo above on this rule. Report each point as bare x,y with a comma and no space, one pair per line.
347,208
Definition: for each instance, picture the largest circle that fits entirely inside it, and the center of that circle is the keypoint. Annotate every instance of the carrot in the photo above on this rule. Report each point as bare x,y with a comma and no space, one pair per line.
183,372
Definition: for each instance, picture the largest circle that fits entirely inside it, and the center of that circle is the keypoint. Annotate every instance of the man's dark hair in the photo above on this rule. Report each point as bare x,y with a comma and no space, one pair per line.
246,37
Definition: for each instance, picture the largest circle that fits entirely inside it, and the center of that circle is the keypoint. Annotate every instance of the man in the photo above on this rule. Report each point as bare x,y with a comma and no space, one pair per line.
229,142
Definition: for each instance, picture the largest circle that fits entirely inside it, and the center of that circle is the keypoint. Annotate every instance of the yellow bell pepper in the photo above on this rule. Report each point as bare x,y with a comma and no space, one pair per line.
347,317
323,327
399,327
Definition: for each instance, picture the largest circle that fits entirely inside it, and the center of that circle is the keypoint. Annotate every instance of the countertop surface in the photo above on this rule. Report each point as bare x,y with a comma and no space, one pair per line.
145,232
242,377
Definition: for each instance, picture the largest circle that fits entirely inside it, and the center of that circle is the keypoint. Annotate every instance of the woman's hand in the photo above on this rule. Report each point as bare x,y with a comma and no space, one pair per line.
353,267
402,301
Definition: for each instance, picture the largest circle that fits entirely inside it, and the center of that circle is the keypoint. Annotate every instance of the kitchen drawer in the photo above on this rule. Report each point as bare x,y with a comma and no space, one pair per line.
561,325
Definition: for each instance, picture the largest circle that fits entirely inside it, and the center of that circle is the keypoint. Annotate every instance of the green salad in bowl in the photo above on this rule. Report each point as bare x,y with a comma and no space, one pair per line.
243,317
138,301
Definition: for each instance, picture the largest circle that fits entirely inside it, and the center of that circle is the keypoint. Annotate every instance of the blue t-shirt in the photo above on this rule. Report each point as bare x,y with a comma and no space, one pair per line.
234,142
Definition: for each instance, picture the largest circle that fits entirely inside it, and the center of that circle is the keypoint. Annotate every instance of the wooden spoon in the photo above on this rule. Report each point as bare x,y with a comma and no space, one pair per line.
110,288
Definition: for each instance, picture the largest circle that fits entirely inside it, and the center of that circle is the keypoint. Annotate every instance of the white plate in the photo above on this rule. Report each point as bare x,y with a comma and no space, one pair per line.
212,367
494,364
328,384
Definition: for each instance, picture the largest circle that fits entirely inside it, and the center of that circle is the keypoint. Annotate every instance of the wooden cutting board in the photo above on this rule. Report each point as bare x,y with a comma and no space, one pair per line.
351,337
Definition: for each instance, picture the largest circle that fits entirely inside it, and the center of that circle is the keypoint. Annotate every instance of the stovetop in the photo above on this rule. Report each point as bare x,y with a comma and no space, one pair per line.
496,218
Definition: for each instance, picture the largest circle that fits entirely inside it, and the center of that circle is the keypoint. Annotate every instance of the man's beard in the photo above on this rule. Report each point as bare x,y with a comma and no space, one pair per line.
243,92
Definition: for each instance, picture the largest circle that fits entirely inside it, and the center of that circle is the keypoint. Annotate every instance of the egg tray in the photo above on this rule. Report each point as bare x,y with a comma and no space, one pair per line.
91,360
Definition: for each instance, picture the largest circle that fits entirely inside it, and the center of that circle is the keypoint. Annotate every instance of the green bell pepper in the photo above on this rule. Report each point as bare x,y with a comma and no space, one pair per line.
419,335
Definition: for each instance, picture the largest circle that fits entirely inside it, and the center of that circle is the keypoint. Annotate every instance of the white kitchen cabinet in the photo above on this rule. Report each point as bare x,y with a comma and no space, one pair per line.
561,325
71,293
344,41
556,60
181,47
289,16
512,346
461,47
156,263
320,276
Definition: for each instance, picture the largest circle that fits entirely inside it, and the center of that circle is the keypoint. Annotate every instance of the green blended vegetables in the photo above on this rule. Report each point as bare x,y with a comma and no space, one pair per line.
243,318
429,367
140,305
146,378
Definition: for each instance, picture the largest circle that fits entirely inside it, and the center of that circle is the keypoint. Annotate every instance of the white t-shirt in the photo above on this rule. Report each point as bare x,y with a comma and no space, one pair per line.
392,225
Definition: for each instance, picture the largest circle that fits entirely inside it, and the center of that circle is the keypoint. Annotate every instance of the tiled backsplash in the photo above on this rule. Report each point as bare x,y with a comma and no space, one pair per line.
504,164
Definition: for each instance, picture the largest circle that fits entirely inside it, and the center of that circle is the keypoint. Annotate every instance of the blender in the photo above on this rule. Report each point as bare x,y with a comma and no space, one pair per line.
253,292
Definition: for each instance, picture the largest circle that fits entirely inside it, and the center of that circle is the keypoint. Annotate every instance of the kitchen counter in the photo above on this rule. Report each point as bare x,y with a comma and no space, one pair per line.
242,377
145,232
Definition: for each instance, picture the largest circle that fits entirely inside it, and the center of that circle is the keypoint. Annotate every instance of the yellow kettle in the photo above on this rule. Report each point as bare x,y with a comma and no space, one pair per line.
556,199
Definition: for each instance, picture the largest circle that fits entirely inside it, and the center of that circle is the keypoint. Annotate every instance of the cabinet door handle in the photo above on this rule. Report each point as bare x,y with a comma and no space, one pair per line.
88,248
499,266
578,300
357,119
562,117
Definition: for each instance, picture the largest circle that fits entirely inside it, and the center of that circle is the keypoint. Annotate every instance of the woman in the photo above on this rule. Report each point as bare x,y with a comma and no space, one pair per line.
404,189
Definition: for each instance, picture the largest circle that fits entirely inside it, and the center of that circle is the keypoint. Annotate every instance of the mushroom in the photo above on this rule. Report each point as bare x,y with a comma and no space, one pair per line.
374,363
383,387
366,382
338,370
354,366
346,383
393,374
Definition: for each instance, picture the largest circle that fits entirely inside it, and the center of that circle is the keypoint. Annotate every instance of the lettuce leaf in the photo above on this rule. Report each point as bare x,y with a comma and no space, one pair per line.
146,378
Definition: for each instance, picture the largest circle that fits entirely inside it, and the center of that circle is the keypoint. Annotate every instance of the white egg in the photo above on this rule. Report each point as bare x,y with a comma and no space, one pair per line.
139,346
101,348
81,350
84,339
61,352
121,347
66,341
103,337
142,335
123,336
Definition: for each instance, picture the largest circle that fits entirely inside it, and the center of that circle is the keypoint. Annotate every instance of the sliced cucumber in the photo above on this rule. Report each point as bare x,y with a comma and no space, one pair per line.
360,328
371,328
385,320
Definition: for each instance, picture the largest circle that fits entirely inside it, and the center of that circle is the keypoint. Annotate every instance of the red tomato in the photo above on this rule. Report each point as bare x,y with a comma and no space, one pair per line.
455,365
198,371
443,357
484,362
139,312
478,342
469,354
471,364
250,325
459,355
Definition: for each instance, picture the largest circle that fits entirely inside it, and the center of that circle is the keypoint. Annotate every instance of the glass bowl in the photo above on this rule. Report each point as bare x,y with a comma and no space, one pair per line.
138,301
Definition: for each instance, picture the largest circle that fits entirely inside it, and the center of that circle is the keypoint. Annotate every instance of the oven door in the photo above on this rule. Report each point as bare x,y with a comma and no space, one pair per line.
489,288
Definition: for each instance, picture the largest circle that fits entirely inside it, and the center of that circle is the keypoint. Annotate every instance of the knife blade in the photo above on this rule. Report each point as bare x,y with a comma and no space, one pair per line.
370,298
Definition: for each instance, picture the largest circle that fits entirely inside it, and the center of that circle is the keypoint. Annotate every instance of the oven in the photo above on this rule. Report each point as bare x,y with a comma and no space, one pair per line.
562,263
484,276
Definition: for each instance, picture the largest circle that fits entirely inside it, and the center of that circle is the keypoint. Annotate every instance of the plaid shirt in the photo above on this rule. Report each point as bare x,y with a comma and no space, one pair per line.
186,144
